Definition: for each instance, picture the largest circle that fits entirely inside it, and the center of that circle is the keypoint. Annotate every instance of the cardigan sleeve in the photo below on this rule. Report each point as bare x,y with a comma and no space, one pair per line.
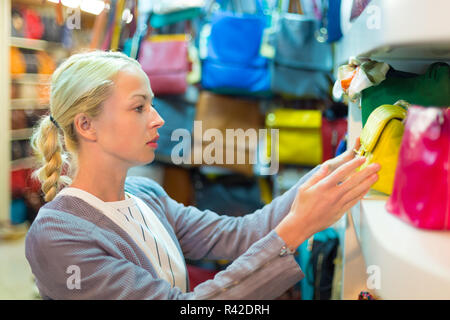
206,234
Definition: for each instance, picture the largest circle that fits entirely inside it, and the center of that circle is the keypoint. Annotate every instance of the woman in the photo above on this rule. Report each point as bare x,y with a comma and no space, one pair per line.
108,236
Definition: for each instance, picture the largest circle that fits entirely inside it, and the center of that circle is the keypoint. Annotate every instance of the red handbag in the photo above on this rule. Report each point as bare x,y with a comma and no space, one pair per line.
421,193
164,58
34,28
333,131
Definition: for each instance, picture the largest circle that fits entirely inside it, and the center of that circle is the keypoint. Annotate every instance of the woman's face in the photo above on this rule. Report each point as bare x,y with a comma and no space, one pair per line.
127,126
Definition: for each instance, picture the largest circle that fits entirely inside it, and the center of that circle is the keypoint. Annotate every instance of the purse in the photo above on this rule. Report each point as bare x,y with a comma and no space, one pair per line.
429,89
302,65
177,114
300,139
232,63
421,193
219,113
380,143
164,58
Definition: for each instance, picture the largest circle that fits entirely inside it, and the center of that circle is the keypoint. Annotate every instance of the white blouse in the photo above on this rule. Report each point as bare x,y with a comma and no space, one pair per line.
140,222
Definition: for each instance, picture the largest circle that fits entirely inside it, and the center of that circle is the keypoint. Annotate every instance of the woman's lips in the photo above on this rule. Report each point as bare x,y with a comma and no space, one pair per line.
153,143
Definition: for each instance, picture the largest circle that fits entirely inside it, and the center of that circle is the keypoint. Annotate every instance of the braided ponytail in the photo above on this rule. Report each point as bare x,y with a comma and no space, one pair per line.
48,149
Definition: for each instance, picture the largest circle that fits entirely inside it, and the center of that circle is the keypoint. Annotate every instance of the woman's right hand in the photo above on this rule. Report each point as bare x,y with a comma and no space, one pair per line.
322,200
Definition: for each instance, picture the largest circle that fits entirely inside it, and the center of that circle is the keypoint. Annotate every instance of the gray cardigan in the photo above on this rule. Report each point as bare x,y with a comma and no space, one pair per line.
71,239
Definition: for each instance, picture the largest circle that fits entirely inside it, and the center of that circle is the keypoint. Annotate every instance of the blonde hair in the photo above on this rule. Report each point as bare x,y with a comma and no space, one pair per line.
79,85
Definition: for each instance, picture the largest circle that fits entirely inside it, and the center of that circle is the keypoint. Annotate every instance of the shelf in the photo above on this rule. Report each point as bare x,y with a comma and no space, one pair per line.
413,263
28,104
21,134
33,44
23,163
400,29
31,78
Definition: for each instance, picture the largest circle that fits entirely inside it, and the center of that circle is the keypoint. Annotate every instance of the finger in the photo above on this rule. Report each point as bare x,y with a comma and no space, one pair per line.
316,177
350,204
359,177
346,169
360,188
350,153
357,144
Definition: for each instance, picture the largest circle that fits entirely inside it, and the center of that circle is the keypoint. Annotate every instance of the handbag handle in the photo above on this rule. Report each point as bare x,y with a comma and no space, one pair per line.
259,5
298,6
99,27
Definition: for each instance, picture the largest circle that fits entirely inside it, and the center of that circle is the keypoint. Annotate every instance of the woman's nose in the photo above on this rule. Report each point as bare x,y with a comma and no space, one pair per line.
156,120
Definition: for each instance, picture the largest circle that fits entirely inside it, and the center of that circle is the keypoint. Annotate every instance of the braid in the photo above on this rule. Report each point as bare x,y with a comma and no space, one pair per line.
49,151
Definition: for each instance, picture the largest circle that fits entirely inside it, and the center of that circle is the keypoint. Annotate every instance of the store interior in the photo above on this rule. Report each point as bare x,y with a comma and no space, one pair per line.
308,77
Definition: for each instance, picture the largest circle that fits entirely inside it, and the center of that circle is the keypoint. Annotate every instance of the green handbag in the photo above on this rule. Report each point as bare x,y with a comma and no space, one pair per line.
429,89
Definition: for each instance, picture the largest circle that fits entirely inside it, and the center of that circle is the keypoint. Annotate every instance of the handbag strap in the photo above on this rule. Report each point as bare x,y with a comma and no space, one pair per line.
117,25
295,6
260,4
98,29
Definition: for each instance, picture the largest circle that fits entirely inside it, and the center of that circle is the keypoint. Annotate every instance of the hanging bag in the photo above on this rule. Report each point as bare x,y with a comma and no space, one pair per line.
421,193
300,139
302,65
233,63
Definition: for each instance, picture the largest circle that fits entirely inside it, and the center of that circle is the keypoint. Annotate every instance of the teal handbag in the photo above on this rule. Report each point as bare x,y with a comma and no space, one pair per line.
161,20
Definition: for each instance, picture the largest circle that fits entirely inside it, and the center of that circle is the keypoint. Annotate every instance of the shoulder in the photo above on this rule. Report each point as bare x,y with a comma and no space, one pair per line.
143,185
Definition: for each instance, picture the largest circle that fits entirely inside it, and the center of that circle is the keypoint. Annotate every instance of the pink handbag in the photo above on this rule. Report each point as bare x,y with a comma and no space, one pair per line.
165,61
421,193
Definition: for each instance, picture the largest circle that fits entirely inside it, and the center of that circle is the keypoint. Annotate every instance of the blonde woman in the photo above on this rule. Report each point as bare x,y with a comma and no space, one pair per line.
102,235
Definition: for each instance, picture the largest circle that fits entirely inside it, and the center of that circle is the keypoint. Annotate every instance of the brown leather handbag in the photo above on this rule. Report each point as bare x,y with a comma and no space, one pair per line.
221,112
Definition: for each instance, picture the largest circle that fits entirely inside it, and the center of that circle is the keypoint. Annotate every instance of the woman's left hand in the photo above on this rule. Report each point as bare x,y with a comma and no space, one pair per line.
336,162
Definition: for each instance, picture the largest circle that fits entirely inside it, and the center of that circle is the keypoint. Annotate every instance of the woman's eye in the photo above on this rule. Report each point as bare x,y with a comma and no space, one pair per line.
139,109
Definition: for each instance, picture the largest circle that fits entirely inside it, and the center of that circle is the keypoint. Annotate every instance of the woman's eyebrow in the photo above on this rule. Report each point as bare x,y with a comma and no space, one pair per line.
146,97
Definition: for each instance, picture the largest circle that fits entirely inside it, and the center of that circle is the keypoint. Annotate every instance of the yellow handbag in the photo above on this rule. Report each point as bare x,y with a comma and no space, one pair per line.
300,138
380,143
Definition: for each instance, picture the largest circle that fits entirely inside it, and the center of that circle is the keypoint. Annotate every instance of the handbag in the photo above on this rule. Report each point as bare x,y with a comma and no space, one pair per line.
429,89
177,114
164,58
302,65
220,113
380,143
300,139
233,63
233,195
421,193
316,256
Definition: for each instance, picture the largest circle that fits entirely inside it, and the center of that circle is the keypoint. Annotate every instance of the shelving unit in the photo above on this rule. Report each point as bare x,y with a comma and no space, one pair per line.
10,105
5,114
412,263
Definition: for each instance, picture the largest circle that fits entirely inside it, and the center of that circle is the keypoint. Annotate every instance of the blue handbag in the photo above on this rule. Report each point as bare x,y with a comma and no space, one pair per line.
233,62
302,65
178,113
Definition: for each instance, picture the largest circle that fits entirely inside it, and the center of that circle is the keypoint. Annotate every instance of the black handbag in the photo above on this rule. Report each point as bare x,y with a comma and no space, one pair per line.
233,195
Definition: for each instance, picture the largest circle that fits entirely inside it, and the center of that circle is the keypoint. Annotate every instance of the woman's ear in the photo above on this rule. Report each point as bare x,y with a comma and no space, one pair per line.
84,127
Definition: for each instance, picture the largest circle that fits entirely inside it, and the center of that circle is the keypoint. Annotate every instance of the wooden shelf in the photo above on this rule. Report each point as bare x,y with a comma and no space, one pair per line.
23,163
28,104
21,134
33,44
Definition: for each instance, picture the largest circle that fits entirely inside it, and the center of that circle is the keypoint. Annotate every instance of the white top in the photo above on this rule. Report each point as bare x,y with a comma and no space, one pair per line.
144,227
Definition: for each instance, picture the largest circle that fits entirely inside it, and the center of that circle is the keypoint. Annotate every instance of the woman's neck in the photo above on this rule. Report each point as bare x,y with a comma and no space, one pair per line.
108,186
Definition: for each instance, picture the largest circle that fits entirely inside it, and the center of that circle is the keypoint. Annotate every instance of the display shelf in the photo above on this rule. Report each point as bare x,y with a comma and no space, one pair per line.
23,163
21,134
400,29
28,104
33,44
413,263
